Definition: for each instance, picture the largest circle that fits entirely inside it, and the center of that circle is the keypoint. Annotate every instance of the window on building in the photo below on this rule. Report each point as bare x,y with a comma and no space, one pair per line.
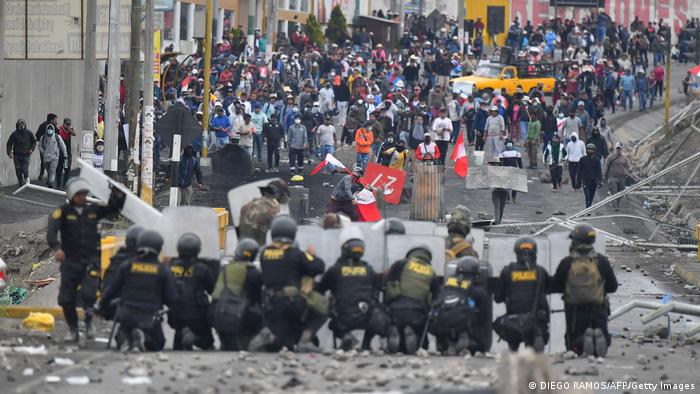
183,21
294,5
167,27
305,5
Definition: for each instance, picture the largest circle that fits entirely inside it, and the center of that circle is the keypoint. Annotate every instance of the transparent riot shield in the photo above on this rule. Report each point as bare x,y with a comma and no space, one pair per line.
241,195
177,221
501,252
398,245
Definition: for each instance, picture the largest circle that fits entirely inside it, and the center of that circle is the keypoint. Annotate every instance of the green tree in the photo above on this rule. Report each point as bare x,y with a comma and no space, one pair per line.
337,25
313,30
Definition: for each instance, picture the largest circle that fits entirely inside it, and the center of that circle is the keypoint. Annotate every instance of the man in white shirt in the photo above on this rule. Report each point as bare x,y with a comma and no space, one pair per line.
575,150
495,131
442,129
572,124
326,140
236,119
326,97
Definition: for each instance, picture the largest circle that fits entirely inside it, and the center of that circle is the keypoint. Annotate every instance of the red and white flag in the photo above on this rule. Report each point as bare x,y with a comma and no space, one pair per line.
367,206
459,156
329,159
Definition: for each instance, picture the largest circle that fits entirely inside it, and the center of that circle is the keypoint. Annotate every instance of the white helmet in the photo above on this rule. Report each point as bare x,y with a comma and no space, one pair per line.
75,186
399,84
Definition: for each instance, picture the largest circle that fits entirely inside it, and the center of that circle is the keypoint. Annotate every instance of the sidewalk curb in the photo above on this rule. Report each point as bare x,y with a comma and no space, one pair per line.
689,272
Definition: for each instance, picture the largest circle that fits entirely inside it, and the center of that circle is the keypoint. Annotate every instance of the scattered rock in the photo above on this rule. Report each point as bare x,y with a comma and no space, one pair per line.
659,331
569,355
642,359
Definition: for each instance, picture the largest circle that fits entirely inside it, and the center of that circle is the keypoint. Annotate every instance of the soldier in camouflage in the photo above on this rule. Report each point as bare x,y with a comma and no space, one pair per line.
459,242
257,215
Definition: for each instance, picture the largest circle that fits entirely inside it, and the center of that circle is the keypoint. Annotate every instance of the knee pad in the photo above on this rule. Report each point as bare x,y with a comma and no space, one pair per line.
378,322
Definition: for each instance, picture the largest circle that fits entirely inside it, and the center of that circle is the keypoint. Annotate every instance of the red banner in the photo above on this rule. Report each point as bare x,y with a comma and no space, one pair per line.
388,179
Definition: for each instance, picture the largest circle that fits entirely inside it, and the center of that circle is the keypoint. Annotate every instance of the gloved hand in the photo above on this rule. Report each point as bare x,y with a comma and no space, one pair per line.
117,197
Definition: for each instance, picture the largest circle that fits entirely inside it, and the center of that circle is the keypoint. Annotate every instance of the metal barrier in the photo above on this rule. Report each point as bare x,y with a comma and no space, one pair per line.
428,193
659,310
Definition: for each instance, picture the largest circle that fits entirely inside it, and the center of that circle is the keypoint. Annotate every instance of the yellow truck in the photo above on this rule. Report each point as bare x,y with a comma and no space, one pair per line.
489,77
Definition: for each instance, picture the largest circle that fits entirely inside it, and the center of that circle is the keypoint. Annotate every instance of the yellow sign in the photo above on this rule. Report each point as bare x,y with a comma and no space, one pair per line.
523,276
144,268
156,56
353,271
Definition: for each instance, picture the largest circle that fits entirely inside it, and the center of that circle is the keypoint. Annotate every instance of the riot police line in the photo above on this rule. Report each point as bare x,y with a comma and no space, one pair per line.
278,295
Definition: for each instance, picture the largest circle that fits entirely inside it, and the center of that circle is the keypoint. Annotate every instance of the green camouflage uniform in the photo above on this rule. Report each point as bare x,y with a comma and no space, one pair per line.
256,217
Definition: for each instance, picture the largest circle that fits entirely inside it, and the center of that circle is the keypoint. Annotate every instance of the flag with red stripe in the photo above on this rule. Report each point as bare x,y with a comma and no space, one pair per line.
459,157
329,159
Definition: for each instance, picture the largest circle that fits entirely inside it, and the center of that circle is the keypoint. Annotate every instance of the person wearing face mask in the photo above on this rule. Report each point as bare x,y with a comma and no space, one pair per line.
98,157
419,130
427,151
326,140
399,156
326,98
188,172
363,144
386,150
495,131
601,146
590,174
442,129
343,197
51,147
273,133
576,150
298,141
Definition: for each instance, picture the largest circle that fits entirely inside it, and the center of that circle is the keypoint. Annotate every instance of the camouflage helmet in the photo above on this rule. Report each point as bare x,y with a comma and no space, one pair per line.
460,220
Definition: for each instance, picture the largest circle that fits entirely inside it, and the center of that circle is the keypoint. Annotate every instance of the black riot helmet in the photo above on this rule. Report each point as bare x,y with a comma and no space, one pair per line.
421,253
189,245
526,250
283,229
149,242
583,234
246,250
466,266
132,236
353,249
395,226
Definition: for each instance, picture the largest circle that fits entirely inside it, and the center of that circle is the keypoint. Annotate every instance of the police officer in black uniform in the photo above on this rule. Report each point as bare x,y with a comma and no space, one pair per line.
78,251
458,307
355,288
585,277
410,286
124,254
523,287
145,285
293,311
236,311
194,281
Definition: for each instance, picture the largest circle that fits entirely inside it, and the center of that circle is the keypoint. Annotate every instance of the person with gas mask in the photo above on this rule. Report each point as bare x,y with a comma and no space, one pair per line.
343,197
293,311
78,251
386,150
459,243
355,288
585,277
194,281
457,308
523,287
589,174
409,286
257,215
145,286
236,306
123,255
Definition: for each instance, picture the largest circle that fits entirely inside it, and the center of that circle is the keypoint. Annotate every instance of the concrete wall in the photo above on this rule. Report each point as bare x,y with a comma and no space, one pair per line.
33,88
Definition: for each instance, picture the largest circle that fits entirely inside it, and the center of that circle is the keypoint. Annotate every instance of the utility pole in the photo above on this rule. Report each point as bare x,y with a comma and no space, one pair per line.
111,118
148,111
207,74
460,25
271,30
134,89
667,85
90,85
2,61
402,18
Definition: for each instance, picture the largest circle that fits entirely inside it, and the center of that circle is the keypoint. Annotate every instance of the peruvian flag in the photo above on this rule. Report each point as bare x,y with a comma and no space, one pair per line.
329,159
459,156
367,206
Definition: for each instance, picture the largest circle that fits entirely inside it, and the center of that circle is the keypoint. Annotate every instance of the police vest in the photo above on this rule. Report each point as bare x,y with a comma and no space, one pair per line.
355,283
522,288
235,275
143,285
79,237
415,280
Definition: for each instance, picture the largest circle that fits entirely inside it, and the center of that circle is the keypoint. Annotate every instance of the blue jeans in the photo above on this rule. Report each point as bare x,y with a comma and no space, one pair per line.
361,160
523,130
642,101
626,94
221,141
326,149
600,37
257,145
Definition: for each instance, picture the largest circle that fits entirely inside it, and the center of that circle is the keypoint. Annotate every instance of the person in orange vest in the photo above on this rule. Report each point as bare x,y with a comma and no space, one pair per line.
363,144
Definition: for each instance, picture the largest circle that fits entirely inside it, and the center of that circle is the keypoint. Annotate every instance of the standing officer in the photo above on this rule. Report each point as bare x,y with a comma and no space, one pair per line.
523,287
236,303
257,215
194,281
459,306
293,311
123,255
78,251
458,242
585,277
145,285
409,287
355,288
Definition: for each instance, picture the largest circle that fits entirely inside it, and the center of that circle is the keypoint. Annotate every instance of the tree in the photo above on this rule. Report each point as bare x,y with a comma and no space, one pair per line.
313,30
337,25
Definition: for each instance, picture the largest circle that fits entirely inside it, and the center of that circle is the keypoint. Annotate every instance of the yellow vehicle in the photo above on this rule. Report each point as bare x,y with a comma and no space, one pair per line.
489,77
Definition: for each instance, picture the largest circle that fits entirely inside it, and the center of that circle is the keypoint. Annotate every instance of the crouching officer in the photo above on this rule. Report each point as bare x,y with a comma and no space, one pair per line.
235,311
409,287
457,308
194,282
585,277
145,285
355,288
123,255
293,311
523,287
78,251
459,242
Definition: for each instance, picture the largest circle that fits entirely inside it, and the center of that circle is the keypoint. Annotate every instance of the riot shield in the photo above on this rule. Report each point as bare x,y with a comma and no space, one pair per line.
501,252
398,245
561,243
177,221
241,195
134,208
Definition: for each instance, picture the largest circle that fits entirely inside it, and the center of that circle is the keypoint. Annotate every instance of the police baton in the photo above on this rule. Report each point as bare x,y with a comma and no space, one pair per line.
431,313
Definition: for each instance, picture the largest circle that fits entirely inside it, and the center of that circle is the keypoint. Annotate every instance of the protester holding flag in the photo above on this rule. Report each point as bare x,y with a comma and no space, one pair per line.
343,198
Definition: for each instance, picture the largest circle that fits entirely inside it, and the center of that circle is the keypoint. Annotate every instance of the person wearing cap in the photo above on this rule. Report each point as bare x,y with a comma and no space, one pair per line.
428,151
51,148
273,132
589,174
442,130
72,235
326,98
572,124
98,155
363,144
626,84
495,131
246,133
615,172
221,126
576,150
66,131
554,156
343,198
